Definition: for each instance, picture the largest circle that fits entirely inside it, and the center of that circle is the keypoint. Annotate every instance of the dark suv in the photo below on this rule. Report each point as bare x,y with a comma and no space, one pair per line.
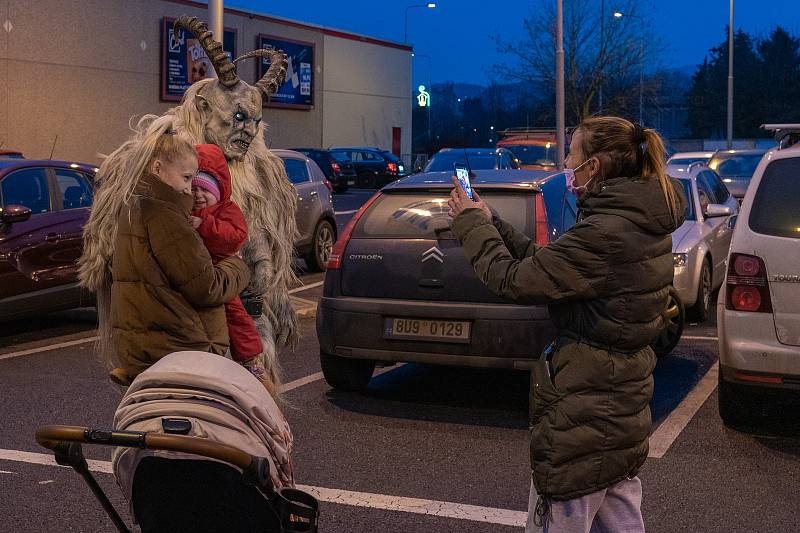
374,167
337,167
399,288
44,206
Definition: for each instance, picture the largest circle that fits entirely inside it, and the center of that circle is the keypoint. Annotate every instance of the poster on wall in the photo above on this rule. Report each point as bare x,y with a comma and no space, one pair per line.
297,92
183,60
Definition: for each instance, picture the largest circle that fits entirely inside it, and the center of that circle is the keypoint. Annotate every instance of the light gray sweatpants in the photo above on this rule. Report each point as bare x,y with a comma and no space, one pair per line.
616,509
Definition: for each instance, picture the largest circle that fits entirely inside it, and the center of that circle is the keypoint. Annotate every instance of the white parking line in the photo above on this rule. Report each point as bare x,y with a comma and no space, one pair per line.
286,387
460,511
663,437
306,287
698,338
47,348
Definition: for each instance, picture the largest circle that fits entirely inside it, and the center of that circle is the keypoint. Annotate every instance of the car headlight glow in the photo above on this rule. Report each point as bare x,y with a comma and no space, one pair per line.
680,260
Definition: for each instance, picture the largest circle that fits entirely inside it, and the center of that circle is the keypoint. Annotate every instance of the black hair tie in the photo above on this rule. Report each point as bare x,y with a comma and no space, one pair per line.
638,133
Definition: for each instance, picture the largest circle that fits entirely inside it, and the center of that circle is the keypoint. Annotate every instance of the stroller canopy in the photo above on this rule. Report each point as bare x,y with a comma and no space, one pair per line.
221,399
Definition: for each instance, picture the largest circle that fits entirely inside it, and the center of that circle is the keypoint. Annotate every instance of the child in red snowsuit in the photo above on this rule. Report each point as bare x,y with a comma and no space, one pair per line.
222,226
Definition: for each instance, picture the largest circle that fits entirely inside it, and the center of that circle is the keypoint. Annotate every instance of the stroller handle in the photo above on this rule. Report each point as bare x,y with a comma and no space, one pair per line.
51,436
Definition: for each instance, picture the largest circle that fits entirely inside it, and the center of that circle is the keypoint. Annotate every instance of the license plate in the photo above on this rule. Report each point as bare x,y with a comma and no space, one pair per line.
351,182
427,330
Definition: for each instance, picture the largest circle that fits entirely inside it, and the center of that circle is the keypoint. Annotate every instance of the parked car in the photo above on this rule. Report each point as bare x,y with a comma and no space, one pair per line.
758,311
399,288
533,149
736,168
700,245
315,216
11,154
687,158
338,169
374,167
44,207
474,158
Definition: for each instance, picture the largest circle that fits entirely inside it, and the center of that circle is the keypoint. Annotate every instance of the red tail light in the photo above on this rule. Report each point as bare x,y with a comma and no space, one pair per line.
392,167
335,259
335,166
747,285
542,238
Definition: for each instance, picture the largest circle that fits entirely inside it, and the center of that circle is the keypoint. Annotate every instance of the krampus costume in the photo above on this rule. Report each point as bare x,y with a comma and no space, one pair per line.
226,112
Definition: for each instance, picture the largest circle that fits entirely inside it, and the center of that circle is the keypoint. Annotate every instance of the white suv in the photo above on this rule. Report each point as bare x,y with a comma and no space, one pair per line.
758,311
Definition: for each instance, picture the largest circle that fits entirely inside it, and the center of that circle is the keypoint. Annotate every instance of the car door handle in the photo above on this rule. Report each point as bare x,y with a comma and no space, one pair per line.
433,283
52,237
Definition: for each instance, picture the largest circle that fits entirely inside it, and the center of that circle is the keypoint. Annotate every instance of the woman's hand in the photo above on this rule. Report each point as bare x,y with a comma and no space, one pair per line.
195,221
459,201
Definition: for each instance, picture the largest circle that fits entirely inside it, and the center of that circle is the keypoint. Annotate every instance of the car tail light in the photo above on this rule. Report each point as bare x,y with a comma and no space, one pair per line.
392,167
747,285
335,166
541,220
335,259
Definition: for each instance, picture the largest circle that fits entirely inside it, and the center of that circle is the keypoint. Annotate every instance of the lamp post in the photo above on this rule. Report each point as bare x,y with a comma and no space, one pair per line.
602,51
429,5
619,15
430,88
730,79
560,133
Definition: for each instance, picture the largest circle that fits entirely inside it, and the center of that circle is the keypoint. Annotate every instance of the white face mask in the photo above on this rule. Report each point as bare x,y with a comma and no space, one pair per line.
569,174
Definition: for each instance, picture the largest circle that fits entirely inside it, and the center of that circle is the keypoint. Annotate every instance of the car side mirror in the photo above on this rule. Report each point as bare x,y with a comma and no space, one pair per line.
717,210
10,214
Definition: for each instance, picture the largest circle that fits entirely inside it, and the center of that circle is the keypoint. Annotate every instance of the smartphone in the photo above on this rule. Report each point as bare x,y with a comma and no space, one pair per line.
462,174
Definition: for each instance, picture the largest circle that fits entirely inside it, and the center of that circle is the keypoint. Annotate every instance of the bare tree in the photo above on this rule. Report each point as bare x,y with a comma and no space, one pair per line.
628,44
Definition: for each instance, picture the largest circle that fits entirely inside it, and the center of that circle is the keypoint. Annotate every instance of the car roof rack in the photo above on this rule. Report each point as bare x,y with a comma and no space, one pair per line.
528,133
785,134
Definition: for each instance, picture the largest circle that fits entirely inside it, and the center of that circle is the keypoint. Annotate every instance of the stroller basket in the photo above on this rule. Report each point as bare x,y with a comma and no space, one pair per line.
296,511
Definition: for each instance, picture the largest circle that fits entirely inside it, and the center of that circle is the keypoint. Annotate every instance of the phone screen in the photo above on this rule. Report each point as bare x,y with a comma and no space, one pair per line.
462,174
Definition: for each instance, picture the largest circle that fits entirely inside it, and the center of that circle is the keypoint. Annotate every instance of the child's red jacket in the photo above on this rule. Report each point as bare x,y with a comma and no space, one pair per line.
224,229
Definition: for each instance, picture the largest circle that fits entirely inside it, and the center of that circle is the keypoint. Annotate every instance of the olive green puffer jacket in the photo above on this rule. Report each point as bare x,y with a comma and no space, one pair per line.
606,282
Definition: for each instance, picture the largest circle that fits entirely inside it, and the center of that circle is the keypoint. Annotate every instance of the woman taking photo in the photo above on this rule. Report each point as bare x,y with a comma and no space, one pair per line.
605,282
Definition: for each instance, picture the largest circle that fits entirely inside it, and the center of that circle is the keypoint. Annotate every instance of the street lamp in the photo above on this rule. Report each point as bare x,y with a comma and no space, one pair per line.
730,79
429,5
619,15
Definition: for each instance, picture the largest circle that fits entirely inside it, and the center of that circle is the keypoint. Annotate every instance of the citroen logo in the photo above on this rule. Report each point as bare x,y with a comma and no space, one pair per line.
433,253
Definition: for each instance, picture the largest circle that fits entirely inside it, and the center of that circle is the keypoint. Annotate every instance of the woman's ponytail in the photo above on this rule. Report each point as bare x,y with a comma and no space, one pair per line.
654,156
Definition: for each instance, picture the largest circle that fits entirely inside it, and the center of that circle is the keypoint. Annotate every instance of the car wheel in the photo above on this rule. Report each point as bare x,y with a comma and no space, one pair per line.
368,180
676,319
735,409
346,374
699,311
322,244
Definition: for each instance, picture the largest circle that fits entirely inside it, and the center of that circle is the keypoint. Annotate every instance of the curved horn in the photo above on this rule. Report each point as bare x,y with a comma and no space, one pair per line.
276,73
226,71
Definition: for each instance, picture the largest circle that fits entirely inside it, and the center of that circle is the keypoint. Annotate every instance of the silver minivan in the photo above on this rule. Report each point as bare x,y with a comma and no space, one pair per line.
316,223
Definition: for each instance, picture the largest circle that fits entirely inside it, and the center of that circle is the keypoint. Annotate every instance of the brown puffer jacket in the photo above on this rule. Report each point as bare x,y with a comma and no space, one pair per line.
167,295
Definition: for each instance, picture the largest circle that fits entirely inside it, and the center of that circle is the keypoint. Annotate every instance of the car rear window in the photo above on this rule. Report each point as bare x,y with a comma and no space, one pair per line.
531,154
775,209
443,161
413,215
735,165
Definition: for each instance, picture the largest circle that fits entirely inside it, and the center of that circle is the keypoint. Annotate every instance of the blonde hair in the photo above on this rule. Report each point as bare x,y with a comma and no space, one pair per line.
627,149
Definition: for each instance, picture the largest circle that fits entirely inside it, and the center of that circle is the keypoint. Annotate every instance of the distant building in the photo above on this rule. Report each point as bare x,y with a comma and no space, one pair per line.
76,72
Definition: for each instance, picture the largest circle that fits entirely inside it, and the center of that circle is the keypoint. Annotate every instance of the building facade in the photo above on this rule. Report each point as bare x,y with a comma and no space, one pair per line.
75,72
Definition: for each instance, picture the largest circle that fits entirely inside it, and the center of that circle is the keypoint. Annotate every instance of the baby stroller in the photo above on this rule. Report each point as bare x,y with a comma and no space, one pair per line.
200,446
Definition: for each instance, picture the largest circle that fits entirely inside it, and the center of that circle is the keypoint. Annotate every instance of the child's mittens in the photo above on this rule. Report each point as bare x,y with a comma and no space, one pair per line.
195,221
